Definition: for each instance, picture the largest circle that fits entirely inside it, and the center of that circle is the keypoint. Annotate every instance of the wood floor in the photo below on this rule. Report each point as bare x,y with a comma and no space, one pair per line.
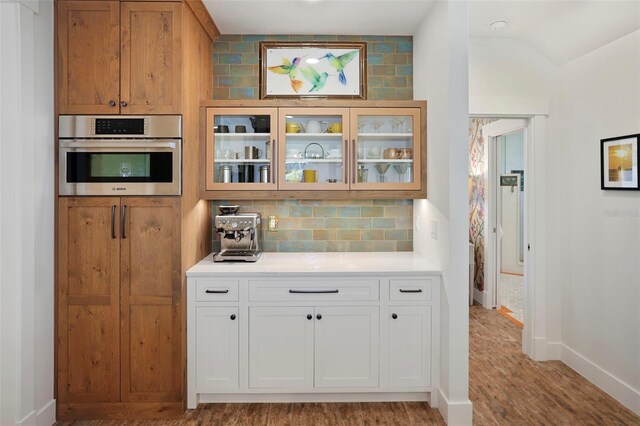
506,388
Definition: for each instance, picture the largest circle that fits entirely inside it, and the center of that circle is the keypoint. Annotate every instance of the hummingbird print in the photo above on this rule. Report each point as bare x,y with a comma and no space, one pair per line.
339,62
317,80
290,69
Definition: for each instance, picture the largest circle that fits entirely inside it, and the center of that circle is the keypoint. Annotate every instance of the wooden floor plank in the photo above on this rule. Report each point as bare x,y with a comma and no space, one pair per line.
505,386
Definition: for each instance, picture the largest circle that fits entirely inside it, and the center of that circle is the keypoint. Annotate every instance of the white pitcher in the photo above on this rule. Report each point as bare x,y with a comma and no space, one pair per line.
314,126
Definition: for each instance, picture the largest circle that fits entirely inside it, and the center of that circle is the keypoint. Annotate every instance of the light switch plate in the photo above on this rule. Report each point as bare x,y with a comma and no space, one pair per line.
434,229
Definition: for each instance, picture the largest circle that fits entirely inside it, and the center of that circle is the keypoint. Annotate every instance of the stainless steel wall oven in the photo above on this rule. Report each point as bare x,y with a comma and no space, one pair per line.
120,155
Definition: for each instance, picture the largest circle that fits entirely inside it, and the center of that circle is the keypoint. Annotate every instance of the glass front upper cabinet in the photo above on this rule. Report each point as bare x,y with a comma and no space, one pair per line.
386,148
241,148
313,149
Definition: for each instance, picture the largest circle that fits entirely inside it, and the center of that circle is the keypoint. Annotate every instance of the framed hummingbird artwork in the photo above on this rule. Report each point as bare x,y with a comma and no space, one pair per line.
313,69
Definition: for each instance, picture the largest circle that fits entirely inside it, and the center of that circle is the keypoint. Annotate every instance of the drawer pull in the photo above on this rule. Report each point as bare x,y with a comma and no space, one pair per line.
217,291
411,291
394,316
312,291
309,316
233,317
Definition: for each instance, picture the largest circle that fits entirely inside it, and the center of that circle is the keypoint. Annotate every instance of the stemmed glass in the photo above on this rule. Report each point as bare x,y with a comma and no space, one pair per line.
402,170
382,169
377,124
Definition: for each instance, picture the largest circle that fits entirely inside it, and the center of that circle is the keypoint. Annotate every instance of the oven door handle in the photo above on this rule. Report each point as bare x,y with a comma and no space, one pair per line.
134,145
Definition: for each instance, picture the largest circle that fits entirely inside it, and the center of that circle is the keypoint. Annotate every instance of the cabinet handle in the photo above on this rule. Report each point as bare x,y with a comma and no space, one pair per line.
313,291
123,103
217,291
274,162
346,161
309,316
113,222
123,220
394,316
411,291
233,317
112,103
319,316
354,169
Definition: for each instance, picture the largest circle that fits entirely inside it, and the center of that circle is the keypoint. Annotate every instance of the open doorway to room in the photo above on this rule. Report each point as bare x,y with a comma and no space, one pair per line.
497,153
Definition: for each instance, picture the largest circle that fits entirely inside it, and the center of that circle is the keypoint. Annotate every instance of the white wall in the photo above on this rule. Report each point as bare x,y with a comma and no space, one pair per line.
26,213
440,77
600,98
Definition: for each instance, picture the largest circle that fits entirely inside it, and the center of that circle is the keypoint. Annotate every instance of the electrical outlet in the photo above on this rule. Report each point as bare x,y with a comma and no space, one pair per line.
417,225
434,229
273,223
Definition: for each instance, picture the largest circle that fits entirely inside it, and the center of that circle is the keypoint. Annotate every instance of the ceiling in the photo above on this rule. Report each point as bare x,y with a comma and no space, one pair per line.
562,30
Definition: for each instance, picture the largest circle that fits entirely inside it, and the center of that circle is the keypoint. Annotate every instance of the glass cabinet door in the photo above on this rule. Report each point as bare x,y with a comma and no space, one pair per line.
386,148
313,148
241,148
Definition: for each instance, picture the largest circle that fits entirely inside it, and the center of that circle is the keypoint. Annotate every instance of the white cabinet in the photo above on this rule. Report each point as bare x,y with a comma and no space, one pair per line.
260,336
217,349
347,347
280,347
303,348
409,346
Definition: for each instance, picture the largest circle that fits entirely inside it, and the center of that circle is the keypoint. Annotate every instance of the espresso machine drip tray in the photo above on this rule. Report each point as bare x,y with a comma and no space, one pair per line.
241,255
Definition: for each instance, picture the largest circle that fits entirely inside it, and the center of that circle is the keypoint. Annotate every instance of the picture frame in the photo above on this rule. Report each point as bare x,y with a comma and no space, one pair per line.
619,160
313,70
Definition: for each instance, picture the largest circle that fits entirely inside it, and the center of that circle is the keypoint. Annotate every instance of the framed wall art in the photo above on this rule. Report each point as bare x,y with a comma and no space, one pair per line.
619,159
314,69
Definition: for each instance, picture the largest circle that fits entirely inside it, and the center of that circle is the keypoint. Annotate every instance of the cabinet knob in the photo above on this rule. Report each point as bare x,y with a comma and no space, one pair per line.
233,316
309,316
112,103
394,316
319,316
123,103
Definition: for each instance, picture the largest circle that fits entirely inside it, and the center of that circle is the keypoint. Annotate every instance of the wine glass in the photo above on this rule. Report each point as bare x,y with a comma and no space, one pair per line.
377,124
382,169
401,168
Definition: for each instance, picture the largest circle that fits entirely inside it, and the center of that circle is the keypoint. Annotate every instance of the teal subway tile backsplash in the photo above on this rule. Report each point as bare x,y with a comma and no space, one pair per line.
237,56
332,225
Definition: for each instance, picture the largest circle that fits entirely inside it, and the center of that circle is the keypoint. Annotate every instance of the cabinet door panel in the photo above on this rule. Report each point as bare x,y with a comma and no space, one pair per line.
151,300
151,57
280,347
217,348
88,56
410,346
347,347
88,300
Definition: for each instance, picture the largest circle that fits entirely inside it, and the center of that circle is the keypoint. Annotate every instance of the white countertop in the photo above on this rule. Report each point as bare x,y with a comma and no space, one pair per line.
373,263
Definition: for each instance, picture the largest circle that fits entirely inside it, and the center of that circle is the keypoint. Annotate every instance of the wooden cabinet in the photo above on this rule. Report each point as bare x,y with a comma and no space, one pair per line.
119,300
217,355
119,57
409,346
355,149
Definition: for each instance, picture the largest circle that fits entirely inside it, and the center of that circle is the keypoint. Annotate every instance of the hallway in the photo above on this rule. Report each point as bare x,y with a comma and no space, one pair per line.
506,388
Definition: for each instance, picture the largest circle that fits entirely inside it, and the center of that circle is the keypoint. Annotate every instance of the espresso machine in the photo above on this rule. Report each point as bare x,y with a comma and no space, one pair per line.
239,235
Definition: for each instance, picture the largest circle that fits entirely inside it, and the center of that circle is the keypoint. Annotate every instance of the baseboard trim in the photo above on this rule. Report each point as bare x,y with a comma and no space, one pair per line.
600,377
554,351
479,296
455,413
313,397
120,411
29,419
46,416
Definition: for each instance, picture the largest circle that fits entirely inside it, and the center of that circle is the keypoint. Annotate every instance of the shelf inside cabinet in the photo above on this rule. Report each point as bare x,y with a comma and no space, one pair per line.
386,136
384,160
312,160
242,135
241,160
315,136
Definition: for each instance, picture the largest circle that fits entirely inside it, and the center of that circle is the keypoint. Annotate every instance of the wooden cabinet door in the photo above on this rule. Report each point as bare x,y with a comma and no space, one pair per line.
88,361
151,57
409,346
347,347
281,347
88,57
217,348
151,347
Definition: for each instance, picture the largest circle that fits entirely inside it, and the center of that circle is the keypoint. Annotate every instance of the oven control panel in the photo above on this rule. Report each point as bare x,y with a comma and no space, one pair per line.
120,126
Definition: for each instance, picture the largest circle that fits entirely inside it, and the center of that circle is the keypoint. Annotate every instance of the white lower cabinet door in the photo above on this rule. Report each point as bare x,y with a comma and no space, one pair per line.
281,347
409,346
217,348
347,347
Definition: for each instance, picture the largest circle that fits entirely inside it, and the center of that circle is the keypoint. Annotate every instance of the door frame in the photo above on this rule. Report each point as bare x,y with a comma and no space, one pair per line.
534,332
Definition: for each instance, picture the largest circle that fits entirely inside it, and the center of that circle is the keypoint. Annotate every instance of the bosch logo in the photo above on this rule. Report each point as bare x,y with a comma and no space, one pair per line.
118,189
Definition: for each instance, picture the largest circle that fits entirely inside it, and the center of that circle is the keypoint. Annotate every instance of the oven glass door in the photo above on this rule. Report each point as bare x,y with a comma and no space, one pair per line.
120,167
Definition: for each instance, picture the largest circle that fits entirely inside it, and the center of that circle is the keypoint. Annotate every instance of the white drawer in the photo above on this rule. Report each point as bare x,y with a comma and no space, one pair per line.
305,289
216,290
408,289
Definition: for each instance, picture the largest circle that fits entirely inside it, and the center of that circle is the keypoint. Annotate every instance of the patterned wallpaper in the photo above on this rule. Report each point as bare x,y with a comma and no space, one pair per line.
332,225
389,69
477,182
